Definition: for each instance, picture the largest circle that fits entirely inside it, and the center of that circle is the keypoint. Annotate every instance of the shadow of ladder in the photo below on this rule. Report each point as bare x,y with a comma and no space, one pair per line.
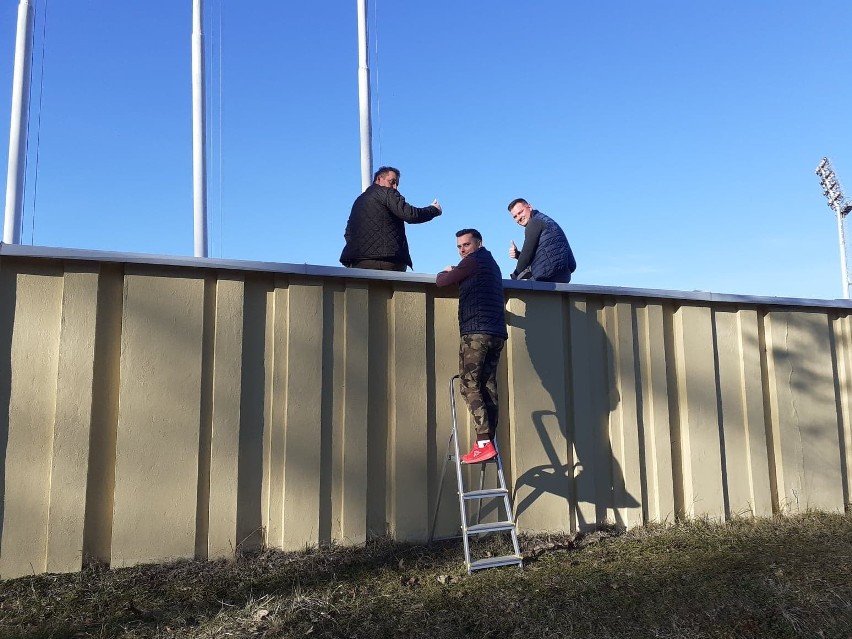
465,497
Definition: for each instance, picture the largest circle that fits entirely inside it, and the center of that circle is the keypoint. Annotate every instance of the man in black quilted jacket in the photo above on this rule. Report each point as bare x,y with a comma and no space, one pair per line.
375,232
482,325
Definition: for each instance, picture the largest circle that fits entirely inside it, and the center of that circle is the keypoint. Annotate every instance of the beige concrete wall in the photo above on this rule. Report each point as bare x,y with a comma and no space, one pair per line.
31,426
538,416
699,424
151,411
159,418
72,423
805,424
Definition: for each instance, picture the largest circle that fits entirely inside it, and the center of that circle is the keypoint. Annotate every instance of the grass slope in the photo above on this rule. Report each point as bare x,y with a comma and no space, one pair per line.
784,577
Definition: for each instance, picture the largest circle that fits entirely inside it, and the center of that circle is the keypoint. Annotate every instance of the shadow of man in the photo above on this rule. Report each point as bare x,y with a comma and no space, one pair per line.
571,358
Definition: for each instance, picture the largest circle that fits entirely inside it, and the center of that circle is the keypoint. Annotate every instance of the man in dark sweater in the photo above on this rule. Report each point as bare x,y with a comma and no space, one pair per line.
482,325
546,255
375,231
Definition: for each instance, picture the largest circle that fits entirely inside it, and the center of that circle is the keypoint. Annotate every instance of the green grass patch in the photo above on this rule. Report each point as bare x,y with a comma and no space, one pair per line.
780,577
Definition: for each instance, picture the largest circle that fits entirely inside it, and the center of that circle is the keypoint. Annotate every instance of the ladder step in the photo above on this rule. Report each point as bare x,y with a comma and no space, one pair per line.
495,526
488,492
493,562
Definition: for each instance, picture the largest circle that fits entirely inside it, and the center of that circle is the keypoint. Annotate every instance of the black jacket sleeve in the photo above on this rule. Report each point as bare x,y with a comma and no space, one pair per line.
532,233
404,211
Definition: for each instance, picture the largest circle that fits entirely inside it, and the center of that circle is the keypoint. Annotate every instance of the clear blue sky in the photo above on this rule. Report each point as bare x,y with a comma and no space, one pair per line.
674,141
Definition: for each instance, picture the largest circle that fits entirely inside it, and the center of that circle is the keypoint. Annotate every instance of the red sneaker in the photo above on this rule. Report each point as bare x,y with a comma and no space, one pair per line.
479,454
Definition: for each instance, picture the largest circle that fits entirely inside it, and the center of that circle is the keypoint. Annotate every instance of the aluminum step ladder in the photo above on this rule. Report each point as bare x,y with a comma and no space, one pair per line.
477,496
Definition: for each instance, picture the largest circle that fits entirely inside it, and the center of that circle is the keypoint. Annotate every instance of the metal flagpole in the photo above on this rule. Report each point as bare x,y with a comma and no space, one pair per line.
18,126
199,143
364,98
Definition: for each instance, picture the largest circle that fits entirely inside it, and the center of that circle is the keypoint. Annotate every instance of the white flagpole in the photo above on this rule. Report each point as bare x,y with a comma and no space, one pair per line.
18,126
199,142
364,98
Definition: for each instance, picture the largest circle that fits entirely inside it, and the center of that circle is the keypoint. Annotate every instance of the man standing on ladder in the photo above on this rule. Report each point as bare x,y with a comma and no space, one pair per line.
482,326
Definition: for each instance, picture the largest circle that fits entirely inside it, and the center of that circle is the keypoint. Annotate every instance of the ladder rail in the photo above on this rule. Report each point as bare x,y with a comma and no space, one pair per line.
507,504
459,481
440,490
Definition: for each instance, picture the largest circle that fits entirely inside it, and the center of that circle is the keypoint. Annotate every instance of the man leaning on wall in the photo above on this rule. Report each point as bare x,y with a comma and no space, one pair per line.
482,326
375,232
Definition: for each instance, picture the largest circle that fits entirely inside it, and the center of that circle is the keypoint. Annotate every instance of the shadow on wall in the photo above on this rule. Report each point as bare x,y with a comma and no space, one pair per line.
581,469
8,292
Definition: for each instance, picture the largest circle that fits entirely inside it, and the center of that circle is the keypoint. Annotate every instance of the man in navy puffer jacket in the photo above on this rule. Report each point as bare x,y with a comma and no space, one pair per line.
546,255
482,325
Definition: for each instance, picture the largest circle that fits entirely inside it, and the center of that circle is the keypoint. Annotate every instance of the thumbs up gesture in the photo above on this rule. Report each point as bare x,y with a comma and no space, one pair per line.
514,253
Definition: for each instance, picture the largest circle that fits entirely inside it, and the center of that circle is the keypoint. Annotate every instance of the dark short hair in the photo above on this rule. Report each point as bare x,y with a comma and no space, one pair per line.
385,169
517,200
476,234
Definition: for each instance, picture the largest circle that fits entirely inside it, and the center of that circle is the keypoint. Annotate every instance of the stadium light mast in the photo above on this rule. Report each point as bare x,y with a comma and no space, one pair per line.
837,203
18,126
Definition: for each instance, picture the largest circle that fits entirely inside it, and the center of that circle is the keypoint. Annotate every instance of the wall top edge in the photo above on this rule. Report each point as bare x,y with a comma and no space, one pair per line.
88,255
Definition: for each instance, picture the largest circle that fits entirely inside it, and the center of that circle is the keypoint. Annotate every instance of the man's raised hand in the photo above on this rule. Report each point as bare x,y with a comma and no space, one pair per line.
514,253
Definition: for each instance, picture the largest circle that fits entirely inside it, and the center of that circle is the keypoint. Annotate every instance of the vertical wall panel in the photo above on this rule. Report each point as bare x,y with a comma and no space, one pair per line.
279,327
379,409
158,426
409,439
746,454
594,397
446,366
225,439
495,510
32,406
538,411
332,364
699,415
624,429
804,412
274,404
353,435
336,330
71,432
842,331
655,414
8,288
754,414
303,426
100,481
255,407
205,418
734,418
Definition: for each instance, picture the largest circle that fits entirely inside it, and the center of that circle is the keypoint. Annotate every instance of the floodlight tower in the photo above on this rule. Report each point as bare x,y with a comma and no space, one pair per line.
836,202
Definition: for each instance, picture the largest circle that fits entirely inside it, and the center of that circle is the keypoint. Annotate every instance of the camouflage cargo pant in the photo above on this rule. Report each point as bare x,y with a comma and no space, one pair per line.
479,355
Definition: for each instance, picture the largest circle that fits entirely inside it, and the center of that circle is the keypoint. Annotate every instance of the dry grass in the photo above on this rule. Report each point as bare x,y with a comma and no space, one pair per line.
785,577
